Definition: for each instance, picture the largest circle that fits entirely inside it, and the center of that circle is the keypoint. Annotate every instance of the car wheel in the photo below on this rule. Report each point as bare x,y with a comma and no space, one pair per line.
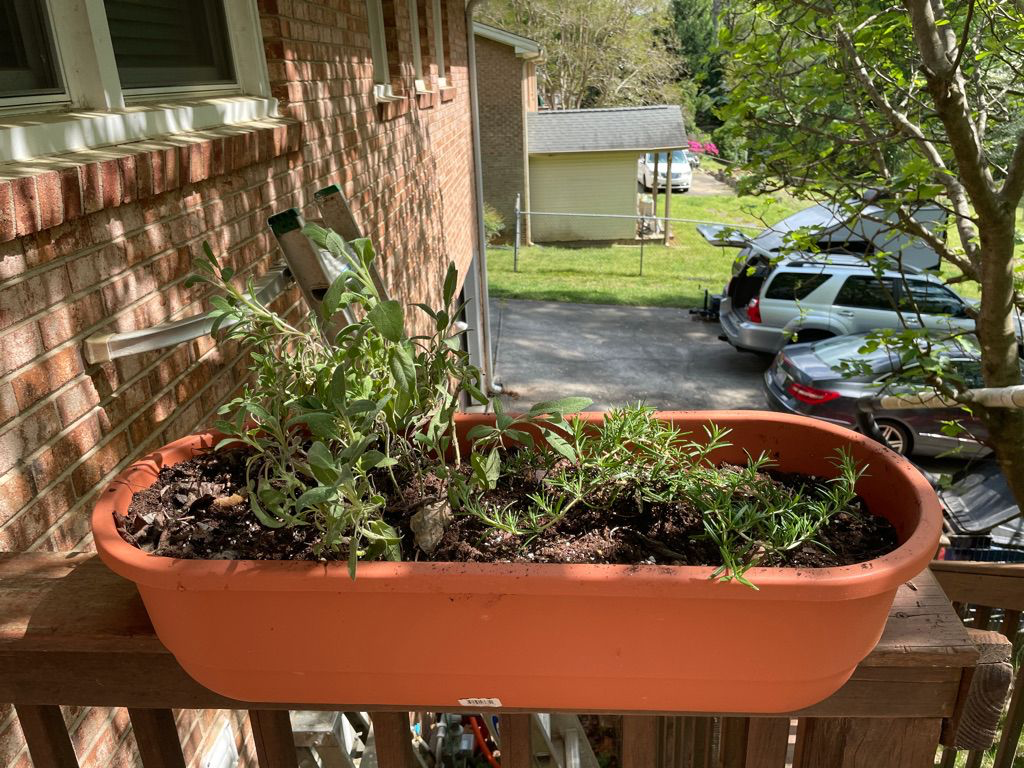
895,436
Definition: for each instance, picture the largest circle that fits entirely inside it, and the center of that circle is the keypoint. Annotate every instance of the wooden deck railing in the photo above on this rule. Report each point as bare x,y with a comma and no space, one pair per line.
990,598
73,633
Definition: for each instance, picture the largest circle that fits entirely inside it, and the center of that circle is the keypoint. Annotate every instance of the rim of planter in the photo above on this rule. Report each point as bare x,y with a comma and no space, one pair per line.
845,582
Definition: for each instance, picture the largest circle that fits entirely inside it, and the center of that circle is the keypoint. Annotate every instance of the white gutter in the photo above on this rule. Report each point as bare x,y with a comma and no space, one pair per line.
483,314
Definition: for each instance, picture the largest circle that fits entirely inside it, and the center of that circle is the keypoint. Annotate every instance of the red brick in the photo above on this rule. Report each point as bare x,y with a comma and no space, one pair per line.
24,437
70,319
77,400
110,183
156,166
171,170
26,207
71,191
92,188
143,175
8,403
19,347
16,490
92,470
12,259
47,376
8,225
50,199
129,178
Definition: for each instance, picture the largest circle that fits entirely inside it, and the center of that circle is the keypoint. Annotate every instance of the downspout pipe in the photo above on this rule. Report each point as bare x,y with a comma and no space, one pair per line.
480,263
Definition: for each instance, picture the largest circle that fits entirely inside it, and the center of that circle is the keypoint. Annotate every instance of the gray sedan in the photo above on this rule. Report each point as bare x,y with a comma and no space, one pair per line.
804,379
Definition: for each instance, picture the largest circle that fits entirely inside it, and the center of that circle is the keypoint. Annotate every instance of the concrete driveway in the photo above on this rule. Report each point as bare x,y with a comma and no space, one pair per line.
619,355
705,184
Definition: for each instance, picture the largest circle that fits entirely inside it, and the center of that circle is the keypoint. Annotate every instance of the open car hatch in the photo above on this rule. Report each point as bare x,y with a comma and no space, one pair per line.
723,235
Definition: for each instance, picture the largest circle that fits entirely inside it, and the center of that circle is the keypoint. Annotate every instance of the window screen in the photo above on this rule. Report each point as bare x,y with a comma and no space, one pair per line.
161,43
27,60
794,286
930,299
868,292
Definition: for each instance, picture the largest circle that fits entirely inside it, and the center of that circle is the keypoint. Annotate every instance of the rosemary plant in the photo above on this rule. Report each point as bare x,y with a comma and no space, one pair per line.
343,414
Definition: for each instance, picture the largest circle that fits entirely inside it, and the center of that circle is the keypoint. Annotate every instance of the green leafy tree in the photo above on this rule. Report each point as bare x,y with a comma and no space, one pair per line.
598,53
923,98
695,23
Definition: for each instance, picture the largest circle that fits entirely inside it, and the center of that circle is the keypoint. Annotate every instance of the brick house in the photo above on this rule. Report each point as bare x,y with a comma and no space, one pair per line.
126,143
507,71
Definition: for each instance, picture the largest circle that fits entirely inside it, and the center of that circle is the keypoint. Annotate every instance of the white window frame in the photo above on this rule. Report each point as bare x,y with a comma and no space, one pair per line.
383,90
104,114
417,46
439,45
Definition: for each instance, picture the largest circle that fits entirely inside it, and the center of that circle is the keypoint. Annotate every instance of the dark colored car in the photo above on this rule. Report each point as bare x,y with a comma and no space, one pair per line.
804,379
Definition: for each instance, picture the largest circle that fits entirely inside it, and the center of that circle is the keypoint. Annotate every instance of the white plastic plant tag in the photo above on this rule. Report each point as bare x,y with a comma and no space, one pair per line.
480,702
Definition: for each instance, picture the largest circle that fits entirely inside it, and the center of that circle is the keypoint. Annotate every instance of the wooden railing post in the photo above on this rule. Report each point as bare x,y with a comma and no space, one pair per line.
392,738
732,743
867,742
639,741
516,741
157,737
46,734
767,742
272,735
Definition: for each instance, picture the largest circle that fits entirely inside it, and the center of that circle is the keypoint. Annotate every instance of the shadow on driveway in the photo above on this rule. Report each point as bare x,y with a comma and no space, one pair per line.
619,355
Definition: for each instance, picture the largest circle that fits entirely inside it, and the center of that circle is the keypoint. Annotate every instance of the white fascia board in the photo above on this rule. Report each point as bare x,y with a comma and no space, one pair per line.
524,46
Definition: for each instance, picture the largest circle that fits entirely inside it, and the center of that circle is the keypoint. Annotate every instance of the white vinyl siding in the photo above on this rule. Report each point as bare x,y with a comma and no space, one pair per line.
583,182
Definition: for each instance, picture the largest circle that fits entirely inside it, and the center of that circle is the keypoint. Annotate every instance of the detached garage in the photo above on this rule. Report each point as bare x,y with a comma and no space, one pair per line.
585,161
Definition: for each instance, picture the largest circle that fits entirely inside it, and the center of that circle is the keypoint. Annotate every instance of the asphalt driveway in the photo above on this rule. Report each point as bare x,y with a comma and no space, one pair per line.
619,355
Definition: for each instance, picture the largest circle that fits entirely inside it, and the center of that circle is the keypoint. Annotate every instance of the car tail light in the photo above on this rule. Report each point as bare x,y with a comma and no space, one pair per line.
754,310
811,395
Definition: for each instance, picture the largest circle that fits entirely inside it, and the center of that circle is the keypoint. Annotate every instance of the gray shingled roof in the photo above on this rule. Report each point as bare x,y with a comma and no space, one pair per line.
606,130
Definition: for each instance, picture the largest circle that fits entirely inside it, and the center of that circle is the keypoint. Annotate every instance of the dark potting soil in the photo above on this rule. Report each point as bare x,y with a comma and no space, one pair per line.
198,509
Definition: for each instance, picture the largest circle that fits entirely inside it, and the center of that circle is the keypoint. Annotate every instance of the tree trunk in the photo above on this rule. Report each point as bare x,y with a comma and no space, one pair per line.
1000,356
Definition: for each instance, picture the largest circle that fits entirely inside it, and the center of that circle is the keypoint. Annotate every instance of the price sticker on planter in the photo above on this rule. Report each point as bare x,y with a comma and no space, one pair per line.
480,702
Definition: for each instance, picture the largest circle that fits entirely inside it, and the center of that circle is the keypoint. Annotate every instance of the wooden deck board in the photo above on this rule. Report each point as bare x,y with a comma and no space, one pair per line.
73,632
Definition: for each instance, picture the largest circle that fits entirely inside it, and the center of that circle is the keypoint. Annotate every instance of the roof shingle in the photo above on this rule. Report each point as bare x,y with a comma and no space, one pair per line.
606,130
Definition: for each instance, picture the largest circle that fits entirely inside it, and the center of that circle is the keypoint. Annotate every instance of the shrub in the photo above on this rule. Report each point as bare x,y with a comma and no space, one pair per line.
494,223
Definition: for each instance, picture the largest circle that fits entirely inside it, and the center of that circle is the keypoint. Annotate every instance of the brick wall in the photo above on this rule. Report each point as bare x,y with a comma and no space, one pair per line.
502,133
103,241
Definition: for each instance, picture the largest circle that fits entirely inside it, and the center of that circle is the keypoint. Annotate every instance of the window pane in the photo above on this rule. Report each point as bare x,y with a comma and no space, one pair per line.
930,299
159,43
867,292
27,61
794,286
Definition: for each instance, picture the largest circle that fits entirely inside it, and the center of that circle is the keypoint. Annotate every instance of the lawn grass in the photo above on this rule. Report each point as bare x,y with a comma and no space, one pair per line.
672,277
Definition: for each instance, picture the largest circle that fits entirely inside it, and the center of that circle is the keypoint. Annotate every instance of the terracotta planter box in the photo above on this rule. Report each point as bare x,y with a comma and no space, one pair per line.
539,637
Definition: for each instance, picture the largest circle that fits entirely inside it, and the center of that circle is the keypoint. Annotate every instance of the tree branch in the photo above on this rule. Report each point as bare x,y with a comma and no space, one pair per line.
1013,186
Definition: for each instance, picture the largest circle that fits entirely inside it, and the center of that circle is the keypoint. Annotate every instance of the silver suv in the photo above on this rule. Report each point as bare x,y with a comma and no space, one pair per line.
806,298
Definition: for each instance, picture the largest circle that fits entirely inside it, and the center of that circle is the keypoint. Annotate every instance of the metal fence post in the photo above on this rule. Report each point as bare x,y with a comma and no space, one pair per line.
519,230
643,237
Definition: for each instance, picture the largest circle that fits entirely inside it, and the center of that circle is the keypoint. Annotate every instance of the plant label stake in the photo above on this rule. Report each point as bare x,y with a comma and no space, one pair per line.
313,268
337,215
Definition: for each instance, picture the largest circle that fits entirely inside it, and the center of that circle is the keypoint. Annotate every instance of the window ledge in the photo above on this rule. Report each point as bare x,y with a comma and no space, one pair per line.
46,191
385,94
448,93
23,137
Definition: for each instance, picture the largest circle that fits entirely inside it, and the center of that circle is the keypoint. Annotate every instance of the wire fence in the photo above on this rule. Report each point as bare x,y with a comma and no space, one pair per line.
643,221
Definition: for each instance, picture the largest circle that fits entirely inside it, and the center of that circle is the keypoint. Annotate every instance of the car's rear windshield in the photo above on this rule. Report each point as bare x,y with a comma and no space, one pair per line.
794,286
832,352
